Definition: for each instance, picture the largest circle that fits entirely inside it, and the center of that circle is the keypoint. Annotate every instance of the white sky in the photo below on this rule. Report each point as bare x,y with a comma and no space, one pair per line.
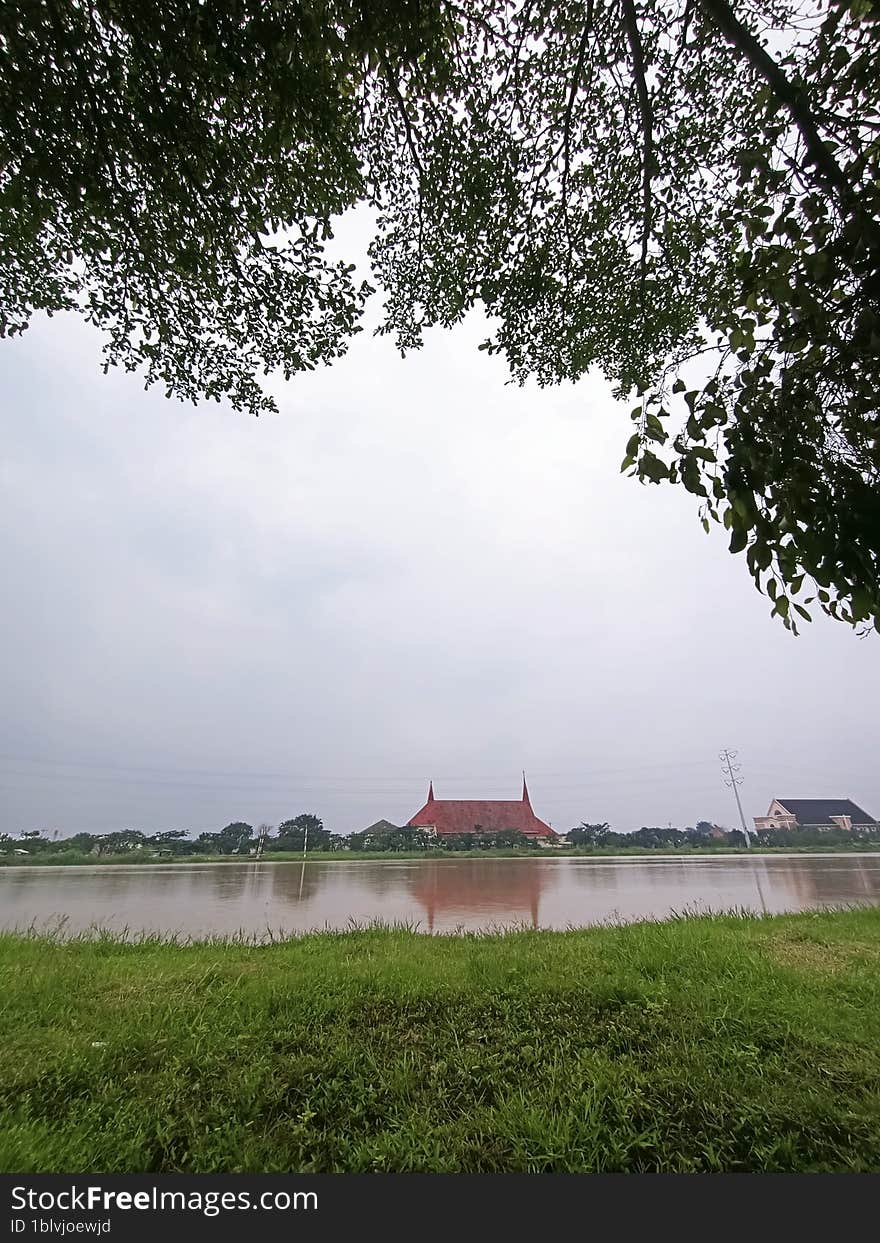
413,571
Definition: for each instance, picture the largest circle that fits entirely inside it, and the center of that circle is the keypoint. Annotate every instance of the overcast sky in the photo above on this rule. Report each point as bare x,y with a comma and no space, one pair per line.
413,571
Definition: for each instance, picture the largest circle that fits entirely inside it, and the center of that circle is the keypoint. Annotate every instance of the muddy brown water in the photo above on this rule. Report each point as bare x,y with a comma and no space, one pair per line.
433,895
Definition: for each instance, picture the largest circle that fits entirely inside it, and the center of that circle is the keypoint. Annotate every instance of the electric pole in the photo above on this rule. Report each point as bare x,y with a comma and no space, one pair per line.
729,771
262,833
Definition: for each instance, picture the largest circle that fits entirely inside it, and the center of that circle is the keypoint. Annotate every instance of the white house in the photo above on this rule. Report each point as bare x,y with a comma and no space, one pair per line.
814,813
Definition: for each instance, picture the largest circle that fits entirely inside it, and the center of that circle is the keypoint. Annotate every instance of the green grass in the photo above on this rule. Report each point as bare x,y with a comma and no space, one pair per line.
699,1044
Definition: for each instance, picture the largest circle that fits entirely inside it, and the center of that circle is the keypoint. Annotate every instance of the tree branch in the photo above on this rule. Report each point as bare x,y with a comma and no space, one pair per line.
634,38
569,109
394,87
742,39
566,129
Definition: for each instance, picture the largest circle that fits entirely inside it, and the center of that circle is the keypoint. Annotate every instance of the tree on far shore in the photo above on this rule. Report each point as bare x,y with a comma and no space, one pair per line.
589,834
304,830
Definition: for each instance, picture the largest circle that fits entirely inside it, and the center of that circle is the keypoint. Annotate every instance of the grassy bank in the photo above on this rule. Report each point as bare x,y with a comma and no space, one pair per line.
141,859
699,1044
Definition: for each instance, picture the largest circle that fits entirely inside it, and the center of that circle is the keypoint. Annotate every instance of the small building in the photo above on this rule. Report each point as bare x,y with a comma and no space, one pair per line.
380,829
448,817
814,813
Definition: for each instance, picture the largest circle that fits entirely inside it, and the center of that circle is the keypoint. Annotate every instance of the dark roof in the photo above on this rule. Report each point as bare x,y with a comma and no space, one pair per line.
820,810
459,815
382,826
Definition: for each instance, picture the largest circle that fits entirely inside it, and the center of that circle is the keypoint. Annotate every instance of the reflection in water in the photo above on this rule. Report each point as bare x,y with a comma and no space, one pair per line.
758,866
450,893
257,898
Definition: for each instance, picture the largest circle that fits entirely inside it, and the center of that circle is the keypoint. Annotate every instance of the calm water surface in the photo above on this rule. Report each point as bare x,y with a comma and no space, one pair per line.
255,898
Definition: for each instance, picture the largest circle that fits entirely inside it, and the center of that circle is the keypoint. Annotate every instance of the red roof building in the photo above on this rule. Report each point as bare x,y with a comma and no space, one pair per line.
447,816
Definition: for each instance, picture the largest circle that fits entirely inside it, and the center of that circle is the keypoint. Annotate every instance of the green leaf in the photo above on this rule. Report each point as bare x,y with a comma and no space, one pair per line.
651,467
738,539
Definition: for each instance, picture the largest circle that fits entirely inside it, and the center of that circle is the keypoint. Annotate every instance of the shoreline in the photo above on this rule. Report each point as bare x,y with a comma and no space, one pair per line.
487,856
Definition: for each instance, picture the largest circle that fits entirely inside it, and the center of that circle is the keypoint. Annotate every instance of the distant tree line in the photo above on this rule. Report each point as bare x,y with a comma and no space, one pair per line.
707,834
237,838
815,835
307,832
703,834
408,838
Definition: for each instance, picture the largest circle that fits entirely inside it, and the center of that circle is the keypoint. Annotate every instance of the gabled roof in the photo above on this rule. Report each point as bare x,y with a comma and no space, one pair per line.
381,826
820,810
459,815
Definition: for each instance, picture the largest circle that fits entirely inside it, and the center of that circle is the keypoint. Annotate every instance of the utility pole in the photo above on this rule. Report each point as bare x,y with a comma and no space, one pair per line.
262,834
305,840
729,771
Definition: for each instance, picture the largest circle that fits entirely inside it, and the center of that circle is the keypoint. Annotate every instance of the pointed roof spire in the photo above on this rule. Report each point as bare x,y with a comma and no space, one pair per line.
430,791
525,797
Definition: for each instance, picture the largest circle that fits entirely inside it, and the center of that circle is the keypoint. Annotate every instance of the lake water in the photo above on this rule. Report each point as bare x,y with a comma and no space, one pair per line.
258,898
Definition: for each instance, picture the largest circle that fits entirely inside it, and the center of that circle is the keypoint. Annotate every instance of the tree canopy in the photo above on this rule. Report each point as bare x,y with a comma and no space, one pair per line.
682,194
305,831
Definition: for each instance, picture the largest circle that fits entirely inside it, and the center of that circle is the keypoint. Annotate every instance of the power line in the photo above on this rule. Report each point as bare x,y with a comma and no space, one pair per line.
251,775
574,779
